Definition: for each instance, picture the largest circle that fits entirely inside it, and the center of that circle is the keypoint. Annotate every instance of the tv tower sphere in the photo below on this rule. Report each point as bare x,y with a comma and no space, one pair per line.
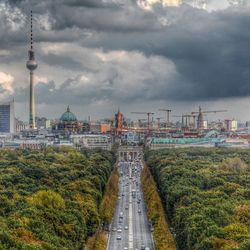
31,65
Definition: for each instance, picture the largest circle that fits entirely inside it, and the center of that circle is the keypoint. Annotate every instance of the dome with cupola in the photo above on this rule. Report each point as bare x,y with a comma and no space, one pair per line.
68,116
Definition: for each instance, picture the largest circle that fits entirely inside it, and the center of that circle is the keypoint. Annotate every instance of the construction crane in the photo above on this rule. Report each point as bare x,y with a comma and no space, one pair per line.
185,119
148,116
168,111
201,114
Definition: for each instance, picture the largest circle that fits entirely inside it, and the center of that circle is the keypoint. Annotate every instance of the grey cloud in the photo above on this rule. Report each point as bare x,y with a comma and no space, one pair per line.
117,81
209,50
62,61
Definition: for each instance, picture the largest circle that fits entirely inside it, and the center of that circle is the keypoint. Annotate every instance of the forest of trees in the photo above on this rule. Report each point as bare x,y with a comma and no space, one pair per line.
50,199
206,195
163,238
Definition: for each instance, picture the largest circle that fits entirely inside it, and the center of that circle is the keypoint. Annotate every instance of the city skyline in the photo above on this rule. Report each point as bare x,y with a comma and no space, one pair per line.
153,59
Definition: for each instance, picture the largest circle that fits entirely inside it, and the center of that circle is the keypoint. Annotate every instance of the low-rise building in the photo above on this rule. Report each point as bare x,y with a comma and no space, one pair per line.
21,126
92,141
43,122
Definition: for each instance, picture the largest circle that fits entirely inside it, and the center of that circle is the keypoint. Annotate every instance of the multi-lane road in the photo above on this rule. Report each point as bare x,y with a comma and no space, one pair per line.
130,228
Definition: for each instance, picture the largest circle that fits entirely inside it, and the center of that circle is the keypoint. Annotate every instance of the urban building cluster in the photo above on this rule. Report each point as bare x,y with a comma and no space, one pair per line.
67,130
191,129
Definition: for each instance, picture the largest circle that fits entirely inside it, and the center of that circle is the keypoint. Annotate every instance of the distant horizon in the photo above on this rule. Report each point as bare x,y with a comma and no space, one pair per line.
161,57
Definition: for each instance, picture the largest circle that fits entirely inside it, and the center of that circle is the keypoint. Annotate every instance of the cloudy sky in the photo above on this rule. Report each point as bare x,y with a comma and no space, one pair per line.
98,55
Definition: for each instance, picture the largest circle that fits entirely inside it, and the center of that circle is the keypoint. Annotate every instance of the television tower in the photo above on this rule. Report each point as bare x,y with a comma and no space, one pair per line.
31,66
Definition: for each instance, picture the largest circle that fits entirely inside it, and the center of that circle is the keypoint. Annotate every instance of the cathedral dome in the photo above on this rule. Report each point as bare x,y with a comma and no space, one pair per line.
68,116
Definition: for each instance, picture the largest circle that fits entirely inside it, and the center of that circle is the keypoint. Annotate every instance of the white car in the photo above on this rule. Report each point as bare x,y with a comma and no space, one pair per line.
126,227
119,237
119,230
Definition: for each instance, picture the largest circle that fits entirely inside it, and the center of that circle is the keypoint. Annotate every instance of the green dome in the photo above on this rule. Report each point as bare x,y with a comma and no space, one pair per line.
68,116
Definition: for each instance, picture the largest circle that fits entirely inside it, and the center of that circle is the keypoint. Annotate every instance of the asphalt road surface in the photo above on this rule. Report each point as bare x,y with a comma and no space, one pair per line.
130,228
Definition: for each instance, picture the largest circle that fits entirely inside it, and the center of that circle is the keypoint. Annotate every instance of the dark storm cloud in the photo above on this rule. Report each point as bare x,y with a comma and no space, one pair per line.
92,14
210,50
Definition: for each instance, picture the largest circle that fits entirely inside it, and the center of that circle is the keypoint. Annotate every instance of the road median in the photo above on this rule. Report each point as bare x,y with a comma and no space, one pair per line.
162,235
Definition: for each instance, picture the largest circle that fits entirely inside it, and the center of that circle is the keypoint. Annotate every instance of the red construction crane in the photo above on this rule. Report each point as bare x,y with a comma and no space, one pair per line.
148,115
168,111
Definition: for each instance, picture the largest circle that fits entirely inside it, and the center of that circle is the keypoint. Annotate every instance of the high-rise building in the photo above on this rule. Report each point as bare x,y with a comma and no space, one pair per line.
231,125
200,120
7,117
31,66
119,120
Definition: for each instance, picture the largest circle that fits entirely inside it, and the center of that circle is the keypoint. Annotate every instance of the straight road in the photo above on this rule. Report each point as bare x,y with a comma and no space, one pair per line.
130,228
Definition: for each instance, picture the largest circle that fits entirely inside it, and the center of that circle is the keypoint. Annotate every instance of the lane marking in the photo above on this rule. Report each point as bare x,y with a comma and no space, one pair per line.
130,232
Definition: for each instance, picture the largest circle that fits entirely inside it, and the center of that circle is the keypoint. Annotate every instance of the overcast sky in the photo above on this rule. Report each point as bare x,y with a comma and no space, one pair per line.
98,55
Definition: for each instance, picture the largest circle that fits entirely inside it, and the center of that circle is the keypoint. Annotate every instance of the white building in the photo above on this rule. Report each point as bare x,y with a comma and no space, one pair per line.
92,141
21,125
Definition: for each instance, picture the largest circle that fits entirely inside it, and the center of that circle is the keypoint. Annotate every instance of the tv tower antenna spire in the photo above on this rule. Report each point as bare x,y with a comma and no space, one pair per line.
31,66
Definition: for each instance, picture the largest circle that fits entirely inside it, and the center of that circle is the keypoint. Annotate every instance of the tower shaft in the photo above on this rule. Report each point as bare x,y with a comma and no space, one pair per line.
32,123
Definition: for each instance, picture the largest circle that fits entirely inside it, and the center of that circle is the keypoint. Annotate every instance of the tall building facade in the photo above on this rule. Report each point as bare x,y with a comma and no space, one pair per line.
231,125
119,120
7,117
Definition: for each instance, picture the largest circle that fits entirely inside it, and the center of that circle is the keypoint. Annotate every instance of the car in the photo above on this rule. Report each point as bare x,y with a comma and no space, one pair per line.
126,227
119,230
126,207
125,248
139,211
118,237
114,229
119,197
147,248
138,201
143,247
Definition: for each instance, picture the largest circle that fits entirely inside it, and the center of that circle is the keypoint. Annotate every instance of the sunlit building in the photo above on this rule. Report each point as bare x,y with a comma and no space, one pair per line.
231,125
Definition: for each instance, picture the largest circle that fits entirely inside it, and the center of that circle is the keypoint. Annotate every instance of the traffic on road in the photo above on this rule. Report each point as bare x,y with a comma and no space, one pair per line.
130,229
